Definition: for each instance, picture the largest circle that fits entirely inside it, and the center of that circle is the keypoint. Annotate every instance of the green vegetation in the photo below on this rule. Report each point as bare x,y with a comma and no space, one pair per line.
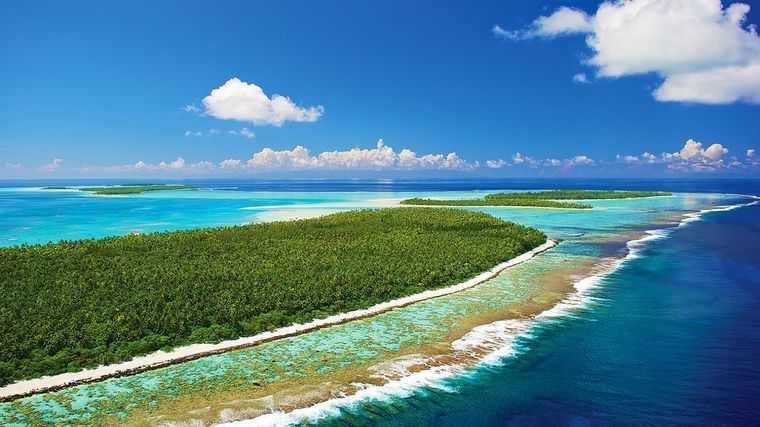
135,189
542,199
496,202
126,189
577,195
69,305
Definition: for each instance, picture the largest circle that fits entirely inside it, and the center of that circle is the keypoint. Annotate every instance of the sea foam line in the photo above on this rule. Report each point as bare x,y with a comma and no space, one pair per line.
498,337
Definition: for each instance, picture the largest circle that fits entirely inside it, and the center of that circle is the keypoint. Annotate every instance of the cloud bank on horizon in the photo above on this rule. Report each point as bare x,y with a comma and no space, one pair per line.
703,52
692,157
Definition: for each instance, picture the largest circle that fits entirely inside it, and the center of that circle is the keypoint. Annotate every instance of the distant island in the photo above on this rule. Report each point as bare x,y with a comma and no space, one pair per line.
542,199
105,301
125,189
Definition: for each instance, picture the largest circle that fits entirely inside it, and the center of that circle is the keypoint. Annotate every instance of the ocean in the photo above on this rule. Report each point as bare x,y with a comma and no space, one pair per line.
661,329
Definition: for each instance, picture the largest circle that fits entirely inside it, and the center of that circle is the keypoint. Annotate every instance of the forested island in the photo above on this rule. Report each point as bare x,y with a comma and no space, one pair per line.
126,189
542,199
71,305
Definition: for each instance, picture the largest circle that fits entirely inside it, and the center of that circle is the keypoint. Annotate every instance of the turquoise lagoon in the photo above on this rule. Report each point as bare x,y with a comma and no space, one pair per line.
317,377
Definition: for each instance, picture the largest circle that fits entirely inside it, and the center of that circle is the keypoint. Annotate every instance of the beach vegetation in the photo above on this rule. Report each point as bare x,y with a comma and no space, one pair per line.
540,199
116,190
76,304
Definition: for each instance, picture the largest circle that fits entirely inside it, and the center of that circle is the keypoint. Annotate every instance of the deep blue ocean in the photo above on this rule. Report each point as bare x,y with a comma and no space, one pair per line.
672,339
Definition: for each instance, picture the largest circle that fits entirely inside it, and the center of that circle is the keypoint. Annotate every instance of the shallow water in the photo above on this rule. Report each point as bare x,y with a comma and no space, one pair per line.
407,366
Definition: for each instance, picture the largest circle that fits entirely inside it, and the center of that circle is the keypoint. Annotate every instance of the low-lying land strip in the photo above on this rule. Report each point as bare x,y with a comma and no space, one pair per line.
577,195
536,203
73,305
541,199
126,189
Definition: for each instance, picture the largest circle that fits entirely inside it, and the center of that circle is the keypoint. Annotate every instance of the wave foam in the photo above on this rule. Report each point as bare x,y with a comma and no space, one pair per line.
490,344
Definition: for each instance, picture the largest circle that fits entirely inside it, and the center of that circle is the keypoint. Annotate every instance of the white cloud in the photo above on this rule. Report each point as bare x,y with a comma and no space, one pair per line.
247,133
53,165
519,159
193,133
247,102
13,166
648,157
382,157
715,86
580,78
627,159
244,132
691,157
176,164
230,164
580,160
751,153
213,132
496,164
704,53
191,108
563,21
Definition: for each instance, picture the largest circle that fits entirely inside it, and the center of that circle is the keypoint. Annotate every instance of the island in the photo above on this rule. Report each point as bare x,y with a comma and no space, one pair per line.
117,190
542,199
76,304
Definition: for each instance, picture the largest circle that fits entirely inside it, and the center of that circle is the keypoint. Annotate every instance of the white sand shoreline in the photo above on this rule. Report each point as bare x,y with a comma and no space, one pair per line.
195,351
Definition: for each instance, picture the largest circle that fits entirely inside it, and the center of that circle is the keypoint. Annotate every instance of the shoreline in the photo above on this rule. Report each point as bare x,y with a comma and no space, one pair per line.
507,331
159,359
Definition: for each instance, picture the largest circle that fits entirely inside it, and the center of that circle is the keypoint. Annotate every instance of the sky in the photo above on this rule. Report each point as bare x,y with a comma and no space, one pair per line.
632,88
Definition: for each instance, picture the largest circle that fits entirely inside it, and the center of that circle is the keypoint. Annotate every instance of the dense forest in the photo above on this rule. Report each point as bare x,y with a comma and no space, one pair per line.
536,203
70,305
542,199
126,189
576,195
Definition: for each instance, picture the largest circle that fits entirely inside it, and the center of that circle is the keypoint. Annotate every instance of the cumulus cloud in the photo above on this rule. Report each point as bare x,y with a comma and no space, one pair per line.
693,156
496,164
704,53
193,133
213,132
53,166
716,86
382,157
247,102
230,164
648,157
751,153
12,166
627,159
580,160
519,159
177,165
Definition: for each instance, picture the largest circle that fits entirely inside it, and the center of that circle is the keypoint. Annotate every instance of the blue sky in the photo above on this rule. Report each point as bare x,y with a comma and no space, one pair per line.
102,88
